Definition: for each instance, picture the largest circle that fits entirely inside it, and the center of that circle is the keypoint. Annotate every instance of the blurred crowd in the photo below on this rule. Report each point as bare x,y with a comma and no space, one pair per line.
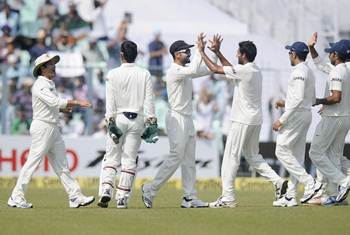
77,31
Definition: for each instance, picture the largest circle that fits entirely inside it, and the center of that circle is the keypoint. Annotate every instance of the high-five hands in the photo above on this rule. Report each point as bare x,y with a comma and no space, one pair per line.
201,42
313,40
215,43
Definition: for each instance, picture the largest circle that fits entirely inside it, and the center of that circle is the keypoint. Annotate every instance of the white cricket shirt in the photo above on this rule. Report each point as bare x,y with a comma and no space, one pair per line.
246,104
300,91
45,101
179,83
338,80
129,89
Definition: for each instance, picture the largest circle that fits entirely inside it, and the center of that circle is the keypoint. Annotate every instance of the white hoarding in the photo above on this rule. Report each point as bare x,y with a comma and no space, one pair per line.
84,156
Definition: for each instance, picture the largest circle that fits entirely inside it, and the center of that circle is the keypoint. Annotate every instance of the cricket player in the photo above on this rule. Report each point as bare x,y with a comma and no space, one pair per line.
328,142
246,117
129,103
293,126
46,136
327,196
179,126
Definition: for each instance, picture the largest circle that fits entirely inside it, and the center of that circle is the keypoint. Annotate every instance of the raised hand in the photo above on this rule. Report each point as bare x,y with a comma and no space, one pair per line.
313,40
215,43
201,42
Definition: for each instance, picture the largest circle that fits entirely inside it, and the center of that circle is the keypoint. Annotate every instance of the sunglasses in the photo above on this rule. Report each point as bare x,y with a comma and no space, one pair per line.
186,51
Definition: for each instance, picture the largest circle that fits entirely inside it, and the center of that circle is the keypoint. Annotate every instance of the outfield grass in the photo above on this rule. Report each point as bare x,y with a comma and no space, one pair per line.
254,215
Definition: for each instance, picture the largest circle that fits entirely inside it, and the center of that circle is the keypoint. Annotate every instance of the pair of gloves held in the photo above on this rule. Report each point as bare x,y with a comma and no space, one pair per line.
149,135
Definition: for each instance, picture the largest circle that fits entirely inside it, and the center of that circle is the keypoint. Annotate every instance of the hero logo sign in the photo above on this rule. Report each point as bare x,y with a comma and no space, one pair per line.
16,156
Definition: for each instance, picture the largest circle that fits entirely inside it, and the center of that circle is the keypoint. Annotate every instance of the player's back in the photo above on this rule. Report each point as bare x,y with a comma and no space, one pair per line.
129,83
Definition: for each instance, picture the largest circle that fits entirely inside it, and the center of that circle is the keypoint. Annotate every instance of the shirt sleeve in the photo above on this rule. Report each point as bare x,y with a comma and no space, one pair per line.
296,92
111,108
203,69
233,72
46,94
149,109
335,83
323,67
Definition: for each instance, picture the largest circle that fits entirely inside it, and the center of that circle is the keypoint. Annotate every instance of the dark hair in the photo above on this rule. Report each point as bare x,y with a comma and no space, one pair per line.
301,56
249,49
129,50
342,56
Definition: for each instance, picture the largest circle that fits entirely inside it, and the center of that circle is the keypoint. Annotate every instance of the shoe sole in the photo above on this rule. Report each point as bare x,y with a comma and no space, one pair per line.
306,200
195,206
14,206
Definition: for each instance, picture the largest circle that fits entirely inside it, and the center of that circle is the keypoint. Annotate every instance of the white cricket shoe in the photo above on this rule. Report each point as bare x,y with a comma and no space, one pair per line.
343,190
310,191
122,202
219,203
285,202
19,202
105,198
193,203
281,189
147,197
80,201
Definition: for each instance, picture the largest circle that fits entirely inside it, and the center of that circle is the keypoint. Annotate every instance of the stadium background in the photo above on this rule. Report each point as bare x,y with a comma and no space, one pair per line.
87,35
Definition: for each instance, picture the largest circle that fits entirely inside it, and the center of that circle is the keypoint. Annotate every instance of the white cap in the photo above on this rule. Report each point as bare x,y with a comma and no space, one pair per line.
44,58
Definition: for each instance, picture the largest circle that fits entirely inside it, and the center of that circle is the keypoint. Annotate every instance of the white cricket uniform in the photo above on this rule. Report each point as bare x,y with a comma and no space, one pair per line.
331,187
46,139
243,139
179,126
296,120
328,142
128,89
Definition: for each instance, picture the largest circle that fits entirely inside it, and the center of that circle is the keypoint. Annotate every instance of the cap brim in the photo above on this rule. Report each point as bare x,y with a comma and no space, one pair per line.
288,47
328,50
185,47
55,59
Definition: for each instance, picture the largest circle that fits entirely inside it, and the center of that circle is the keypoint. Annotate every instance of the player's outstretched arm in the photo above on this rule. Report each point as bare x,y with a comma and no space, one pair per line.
311,44
78,103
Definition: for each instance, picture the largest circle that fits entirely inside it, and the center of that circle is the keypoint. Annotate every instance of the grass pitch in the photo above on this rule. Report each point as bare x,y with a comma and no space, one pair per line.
254,215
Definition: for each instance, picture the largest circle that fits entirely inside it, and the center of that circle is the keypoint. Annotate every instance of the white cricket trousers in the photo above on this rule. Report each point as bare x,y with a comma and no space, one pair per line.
327,147
123,154
46,140
182,145
243,140
290,149
331,188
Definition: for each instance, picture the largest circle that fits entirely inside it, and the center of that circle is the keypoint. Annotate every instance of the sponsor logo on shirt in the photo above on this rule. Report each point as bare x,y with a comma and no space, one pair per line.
336,80
299,78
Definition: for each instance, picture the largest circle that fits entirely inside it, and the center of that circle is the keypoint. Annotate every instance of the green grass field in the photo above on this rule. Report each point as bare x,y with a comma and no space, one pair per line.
254,215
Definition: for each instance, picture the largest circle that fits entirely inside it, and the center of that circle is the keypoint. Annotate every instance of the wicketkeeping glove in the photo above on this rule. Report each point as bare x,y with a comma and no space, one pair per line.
114,132
150,134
